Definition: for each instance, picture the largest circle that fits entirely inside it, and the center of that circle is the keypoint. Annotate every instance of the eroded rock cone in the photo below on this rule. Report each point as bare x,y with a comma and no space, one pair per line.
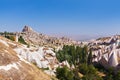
27,29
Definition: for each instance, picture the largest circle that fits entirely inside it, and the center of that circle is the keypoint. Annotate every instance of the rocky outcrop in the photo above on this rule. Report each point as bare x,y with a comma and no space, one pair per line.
113,60
106,51
14,67
27,29
34,38
41,57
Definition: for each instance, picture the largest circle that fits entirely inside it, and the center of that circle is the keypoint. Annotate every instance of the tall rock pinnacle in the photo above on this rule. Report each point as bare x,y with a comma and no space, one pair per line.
27,29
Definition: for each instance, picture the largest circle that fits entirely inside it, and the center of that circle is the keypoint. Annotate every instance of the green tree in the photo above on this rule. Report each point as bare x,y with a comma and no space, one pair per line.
81,58
91,77
10,37
117,76
83,68
109,74
64,73
90,57
84,54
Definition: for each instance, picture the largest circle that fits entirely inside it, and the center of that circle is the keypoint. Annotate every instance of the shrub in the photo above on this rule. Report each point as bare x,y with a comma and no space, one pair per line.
21,40
64,73
10,37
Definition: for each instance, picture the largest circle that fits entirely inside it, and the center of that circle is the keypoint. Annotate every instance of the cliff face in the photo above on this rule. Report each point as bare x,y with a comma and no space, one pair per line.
14,67
106,51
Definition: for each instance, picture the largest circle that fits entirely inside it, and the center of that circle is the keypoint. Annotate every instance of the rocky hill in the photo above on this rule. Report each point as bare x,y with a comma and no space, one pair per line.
106,51
34,38
14,67
40,50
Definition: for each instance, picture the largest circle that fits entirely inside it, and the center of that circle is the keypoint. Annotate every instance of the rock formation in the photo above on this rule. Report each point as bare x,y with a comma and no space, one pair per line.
14,67
106,50
35,38
27,29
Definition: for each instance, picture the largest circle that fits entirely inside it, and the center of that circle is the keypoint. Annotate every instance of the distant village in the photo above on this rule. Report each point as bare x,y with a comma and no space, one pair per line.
32,37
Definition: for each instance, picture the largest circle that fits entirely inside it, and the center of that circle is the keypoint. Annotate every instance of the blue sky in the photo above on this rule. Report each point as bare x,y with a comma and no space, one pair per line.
78,19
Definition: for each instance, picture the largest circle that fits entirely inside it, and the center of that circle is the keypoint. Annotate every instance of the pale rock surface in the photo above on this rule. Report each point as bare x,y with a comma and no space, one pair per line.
14,67
106,51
